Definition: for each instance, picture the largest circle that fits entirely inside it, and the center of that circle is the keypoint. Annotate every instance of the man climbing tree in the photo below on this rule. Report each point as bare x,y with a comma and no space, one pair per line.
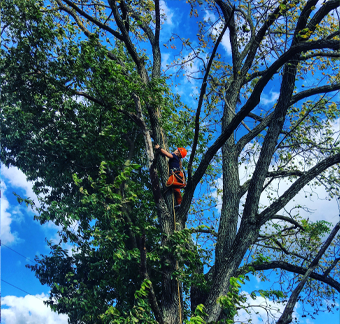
176,175
87,86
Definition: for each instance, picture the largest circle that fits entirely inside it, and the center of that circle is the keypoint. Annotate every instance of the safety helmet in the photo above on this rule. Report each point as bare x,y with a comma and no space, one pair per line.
183,151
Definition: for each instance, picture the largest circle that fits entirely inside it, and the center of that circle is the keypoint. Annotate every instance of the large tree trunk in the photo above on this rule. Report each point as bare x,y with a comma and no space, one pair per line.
230,200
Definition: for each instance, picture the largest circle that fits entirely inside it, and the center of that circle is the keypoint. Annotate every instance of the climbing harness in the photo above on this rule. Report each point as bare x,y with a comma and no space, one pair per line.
177,179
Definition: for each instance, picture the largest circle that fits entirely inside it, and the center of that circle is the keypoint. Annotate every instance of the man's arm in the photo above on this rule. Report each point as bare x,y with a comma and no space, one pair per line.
164,152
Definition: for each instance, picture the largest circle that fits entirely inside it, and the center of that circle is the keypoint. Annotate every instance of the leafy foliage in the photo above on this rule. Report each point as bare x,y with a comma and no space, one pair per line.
81,103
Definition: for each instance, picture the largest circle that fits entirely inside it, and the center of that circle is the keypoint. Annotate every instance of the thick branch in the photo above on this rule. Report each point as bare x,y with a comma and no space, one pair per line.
276,174
326,8
156,68
253,133
288,267
255,117
296,187
303,18
289,220
332,35
202,230
319,54
314,91
227,10
126,39
251,104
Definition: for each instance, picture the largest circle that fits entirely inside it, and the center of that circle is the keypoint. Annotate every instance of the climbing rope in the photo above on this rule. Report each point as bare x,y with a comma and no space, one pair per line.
173,208
179,294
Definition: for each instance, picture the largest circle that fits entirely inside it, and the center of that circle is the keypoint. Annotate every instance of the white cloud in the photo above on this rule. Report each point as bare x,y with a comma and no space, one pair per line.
168,13
29,310
165,60
17,178
263,310
7,237
317,201
269,99
217,30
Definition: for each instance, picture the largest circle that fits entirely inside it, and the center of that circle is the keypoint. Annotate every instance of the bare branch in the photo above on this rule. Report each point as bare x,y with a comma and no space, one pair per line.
282,248
90,18
286,316
331,267
202,93
332,35
253,133
289,220
303,18
314,91
297,186
276,174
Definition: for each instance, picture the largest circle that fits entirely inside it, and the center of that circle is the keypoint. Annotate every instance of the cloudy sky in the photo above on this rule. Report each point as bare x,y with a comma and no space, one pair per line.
22,238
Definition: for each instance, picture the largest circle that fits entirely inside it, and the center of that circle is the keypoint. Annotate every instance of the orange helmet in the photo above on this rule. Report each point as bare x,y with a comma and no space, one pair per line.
183,151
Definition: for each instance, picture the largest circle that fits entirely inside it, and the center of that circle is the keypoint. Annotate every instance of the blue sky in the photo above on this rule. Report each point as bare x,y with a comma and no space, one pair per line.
23,238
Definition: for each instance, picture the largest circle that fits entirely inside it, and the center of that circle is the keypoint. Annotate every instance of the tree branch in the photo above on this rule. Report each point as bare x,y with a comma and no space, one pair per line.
289,220
202,93
253,133
288,267
255,117
226,10
286,316
296,187
246,109
319,54
331,267
285,251
93,20
202,230
243,189
145,274
156,68
132,116
326,7
127,40
314,91
332,35
72,13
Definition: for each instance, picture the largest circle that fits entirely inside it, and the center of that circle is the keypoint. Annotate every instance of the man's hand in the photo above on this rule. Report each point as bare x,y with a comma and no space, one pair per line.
157,147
